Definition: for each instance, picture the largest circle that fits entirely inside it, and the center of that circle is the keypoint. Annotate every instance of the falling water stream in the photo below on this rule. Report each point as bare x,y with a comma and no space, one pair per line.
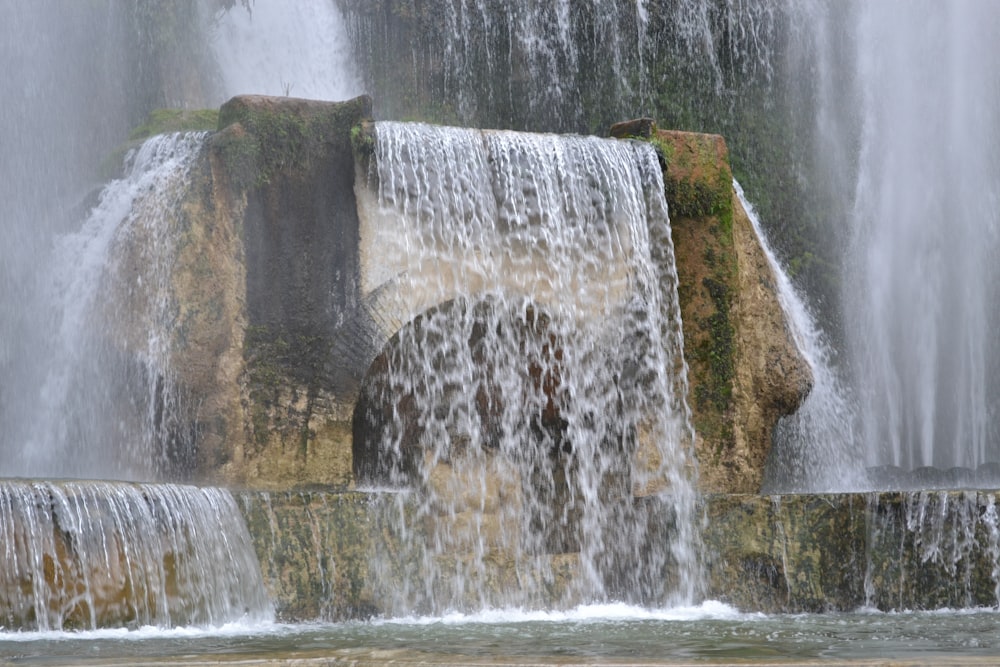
811,448
85,555
538,398
99,400
920,275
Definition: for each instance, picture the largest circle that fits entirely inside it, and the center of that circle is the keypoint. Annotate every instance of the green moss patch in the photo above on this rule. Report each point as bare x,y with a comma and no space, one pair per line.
698,184
162,121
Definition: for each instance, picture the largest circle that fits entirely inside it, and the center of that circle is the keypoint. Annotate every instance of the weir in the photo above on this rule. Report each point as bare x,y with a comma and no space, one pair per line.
85,555
322,554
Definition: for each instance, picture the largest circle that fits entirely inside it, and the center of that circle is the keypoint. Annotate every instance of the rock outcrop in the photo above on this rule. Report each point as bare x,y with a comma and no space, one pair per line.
266,271
745,371
275,333
779,554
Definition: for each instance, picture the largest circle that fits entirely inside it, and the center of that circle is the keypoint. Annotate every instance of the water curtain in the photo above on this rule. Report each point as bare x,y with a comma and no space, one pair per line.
535,404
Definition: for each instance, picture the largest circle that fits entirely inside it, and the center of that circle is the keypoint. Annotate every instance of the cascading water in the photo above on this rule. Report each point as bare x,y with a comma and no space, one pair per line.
85,555
103,403
811,448
921,272
571,65
535,405
271,47
951,537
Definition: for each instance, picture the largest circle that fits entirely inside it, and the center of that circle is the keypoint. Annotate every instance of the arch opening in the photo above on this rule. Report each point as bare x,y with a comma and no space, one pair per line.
492,395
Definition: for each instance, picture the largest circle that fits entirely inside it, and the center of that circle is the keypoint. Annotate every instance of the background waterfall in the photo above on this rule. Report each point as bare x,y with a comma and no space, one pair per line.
296,48
921,272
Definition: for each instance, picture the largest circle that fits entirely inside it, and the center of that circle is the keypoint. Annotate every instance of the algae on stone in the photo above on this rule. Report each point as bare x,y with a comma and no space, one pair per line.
745,372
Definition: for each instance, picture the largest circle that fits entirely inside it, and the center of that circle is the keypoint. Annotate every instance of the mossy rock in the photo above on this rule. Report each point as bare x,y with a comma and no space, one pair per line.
697,175
162,121
159,121
698,184
278,134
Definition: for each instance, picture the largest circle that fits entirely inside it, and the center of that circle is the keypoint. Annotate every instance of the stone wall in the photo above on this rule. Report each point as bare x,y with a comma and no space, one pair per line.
794,553
266,276
276,332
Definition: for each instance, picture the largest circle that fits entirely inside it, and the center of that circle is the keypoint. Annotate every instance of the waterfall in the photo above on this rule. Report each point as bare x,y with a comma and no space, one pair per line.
273,47
535,406
98,398
566,65
811,449
84,555
921,271
947,537
866,131
51,136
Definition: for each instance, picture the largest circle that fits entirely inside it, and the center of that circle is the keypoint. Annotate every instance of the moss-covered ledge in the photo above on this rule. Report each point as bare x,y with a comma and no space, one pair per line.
284,135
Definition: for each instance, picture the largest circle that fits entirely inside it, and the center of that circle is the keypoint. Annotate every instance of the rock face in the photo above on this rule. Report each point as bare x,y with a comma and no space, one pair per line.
745,372
276,333
796,553
263,282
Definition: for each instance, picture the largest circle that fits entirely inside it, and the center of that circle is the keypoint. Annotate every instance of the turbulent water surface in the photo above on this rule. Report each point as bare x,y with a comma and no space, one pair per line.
613,634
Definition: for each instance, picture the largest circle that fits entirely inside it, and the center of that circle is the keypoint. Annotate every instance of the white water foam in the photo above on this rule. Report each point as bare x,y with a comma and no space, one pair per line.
245,627
587,613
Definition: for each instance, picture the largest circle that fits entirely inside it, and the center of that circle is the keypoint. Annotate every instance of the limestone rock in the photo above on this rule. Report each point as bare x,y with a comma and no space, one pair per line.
745,372
262,279
273,338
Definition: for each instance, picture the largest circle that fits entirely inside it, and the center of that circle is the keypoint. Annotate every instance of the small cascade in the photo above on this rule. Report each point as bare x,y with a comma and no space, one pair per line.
932,550
86,555
533,407
811,448
104,403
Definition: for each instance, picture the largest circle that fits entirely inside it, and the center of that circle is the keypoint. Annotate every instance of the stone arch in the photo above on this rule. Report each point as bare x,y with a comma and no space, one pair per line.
510,410
389,423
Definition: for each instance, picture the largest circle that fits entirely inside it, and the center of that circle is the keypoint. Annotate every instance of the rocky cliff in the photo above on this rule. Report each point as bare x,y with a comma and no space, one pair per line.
275,334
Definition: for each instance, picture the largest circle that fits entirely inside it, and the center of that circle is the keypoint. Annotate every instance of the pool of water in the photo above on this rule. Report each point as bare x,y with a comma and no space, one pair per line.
606,634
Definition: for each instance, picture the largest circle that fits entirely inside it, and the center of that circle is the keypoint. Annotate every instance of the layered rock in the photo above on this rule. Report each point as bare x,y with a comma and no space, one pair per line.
795,553
265,274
